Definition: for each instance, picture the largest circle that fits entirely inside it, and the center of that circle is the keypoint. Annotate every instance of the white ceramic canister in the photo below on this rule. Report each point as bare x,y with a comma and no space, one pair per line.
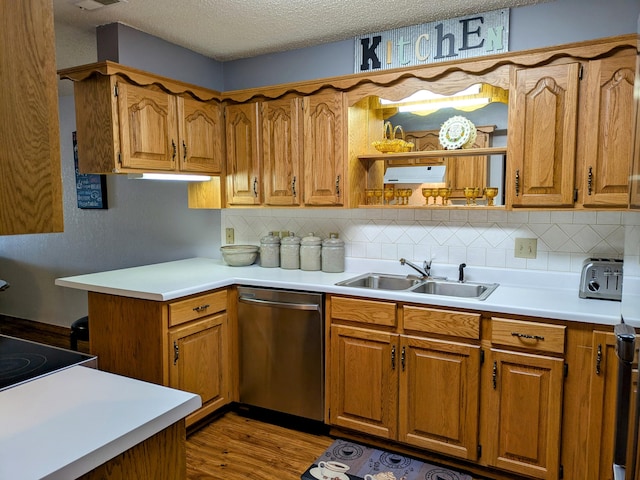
270,251
310,252
290,252
333,254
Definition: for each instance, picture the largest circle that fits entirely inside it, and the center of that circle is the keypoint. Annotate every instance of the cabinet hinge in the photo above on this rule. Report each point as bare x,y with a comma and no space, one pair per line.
119,159
581,71
115,90
575,194
561,472
481,357
479,451
566,370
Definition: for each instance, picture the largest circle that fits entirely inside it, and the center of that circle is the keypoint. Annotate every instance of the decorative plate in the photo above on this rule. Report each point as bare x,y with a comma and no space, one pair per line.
457,132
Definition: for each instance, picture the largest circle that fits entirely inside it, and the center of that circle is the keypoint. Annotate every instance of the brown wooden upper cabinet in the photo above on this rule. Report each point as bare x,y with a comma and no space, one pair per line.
325,143
243,154
607,131
132,122
282,151
543,112
30,171
287,152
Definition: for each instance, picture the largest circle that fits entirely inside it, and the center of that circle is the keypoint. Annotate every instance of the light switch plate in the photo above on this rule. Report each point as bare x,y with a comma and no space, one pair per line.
526,248
230,237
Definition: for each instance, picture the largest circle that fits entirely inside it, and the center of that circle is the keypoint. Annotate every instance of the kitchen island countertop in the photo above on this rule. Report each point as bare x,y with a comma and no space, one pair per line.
538,294
66,424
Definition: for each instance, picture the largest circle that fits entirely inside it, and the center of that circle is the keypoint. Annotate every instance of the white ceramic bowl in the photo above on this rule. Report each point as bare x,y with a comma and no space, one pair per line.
239,255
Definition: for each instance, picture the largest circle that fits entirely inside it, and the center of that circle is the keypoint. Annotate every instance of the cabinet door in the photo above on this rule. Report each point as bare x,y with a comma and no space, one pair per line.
243,154
439,389
607,128
542,136
469,171
199,362
281,151
201,136
30,178
364,380
148,128
523,411
424,141
324,148
602,408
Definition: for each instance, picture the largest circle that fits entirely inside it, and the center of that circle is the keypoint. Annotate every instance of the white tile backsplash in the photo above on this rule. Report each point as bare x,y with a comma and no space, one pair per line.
478,238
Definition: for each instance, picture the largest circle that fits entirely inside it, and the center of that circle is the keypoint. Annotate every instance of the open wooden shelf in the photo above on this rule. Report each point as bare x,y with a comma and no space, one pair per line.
463,152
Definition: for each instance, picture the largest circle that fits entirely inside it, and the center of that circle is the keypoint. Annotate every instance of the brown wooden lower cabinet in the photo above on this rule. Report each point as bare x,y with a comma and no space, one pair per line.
455,385
183,344
523,409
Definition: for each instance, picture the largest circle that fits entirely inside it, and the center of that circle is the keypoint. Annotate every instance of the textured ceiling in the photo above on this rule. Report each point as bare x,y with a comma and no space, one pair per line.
232,29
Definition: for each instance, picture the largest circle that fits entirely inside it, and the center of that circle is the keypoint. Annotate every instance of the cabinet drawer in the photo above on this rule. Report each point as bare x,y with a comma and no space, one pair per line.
197,307
543,337
365,311
442,322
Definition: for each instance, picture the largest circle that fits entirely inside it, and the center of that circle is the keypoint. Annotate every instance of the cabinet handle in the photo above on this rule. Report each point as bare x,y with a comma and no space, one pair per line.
393,357
590,181
184,151
176,352
494,375
173,147
402,359
526,335
201,308
255,187
517,182
293,187
599,359
338,185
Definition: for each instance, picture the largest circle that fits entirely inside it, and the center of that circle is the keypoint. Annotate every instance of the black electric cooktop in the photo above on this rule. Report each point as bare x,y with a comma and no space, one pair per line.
24,360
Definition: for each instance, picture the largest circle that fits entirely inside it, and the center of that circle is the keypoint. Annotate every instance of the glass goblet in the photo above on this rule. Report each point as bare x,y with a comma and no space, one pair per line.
470,194
445,193
378,195
389,194
491,193
426,193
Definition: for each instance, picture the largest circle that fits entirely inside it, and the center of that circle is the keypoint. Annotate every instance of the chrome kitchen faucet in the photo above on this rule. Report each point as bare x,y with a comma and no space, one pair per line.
425,271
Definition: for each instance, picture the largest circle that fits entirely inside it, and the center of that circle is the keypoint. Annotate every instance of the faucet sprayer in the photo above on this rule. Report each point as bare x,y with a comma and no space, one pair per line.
461,272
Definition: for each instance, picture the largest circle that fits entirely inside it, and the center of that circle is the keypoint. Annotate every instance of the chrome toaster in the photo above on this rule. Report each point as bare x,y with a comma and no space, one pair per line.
601,278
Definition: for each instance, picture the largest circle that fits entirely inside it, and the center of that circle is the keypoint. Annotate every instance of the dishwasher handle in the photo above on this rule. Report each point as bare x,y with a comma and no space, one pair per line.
288,305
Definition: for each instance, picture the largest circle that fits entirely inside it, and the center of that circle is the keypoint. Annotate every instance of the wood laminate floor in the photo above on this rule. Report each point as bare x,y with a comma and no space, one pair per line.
236,447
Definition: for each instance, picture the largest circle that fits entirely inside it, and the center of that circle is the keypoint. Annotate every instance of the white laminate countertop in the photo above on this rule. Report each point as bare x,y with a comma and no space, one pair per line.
538,294
65,424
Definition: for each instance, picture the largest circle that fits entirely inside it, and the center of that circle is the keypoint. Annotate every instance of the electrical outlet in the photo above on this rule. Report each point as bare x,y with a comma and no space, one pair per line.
230,236
526,248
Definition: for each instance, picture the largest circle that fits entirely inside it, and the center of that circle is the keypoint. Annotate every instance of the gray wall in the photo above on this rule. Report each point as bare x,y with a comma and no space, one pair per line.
150,222
542,25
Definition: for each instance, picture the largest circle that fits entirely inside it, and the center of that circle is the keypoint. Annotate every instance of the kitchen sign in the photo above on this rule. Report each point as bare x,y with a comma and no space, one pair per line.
456,38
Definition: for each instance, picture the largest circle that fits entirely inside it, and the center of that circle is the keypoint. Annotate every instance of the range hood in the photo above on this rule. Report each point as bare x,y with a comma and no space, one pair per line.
421,174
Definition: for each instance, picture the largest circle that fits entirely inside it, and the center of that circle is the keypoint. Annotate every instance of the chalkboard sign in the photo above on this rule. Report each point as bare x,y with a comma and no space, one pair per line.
91,189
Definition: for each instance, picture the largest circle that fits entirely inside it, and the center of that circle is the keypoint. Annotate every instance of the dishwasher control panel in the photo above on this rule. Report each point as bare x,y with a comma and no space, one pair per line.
601,278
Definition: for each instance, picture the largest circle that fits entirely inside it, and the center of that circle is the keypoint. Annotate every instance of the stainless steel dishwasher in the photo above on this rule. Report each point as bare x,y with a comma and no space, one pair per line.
281,337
